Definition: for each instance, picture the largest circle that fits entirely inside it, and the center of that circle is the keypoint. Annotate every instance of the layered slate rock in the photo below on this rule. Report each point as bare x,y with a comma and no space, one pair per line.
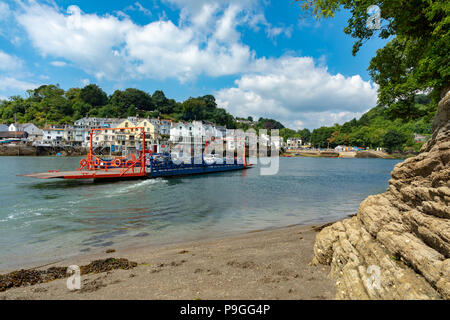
398,245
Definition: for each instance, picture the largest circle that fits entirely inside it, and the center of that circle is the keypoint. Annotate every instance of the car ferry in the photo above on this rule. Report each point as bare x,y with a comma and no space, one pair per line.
142,165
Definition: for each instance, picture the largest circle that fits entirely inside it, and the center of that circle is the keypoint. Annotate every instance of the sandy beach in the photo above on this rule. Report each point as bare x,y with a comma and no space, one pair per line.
268,264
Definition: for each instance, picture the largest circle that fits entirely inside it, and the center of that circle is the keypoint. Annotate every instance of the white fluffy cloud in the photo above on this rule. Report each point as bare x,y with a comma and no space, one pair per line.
5,12
11,70
58,64
10,83
9,62
297,92
85,39
112,48
205,41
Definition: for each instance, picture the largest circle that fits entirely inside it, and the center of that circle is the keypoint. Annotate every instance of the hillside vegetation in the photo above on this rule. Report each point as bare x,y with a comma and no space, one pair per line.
50,104
378,128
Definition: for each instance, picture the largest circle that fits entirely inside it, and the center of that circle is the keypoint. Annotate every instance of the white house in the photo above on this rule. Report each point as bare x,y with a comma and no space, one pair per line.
54,135
341,148
203,130
94,122
164,127
80,136
181,130
293,143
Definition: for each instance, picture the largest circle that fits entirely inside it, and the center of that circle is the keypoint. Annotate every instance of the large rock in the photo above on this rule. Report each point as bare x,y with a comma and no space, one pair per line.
398,245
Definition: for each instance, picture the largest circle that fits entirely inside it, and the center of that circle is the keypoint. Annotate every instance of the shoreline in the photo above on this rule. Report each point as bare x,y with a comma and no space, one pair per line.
262,264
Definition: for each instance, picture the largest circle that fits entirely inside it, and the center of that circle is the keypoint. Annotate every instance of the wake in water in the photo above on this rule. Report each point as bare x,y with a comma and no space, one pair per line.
140,186
57,205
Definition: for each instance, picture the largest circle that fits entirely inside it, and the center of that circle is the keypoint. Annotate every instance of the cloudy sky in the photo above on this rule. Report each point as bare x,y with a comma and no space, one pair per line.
258,57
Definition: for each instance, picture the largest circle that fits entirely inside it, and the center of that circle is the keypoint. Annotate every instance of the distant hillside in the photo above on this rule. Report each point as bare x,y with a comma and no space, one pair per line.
51,104
379,127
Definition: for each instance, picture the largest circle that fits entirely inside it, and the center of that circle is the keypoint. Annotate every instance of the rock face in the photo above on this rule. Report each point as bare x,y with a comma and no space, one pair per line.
398,245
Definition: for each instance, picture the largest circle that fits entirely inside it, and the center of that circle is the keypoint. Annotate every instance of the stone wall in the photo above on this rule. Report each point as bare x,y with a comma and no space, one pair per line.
398,245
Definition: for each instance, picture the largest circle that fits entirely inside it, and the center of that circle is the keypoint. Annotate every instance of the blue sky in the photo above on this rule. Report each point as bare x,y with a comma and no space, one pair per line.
258,58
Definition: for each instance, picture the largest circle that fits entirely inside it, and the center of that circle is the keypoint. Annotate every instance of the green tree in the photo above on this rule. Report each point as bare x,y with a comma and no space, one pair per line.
94,95
194,109
320,135
140,99
305,135
269,124
416,59
393,140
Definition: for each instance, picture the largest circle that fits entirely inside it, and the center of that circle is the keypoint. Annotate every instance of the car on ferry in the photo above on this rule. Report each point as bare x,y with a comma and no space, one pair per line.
213,159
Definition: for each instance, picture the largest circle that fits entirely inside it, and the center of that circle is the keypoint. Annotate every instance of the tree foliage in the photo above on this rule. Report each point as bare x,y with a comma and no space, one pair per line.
371,129
93,95
49,104
415,60
393,140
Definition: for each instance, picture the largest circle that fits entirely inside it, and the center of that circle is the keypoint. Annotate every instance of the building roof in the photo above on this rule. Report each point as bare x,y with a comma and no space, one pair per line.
13,134
22,125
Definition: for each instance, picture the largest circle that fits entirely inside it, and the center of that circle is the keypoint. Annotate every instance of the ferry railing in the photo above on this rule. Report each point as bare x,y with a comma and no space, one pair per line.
94,163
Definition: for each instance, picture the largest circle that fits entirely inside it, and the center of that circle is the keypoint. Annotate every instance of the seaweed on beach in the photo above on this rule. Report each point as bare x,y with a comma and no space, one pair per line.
22,278
109,264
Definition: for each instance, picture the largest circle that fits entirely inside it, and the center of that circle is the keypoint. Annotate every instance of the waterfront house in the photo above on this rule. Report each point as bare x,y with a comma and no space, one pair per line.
294,143
204,130
164,127
13,135
181,131
83,126
94,122
34,133
151,127
54,135
105,138
195,132
152,136
81,136
125,137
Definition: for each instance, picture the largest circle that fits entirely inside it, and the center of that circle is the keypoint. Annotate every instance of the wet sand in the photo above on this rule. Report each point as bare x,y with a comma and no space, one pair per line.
269,264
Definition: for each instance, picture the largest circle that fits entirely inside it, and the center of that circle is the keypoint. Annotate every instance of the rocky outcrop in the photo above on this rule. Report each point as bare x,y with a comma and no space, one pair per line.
398,245
372,154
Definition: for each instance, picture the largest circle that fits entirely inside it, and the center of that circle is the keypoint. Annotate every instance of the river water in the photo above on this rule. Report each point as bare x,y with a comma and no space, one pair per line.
45,220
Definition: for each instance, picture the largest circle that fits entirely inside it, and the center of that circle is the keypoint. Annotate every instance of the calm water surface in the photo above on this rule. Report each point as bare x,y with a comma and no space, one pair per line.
42,220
